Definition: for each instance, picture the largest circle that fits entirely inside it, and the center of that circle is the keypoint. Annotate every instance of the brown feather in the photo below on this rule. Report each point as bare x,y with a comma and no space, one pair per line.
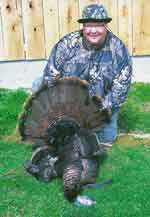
68,97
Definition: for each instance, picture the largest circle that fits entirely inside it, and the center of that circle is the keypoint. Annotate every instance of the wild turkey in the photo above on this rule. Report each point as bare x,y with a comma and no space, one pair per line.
60,120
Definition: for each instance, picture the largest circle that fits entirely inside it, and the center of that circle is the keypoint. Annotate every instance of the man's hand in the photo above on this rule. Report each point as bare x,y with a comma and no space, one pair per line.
51,82
102,106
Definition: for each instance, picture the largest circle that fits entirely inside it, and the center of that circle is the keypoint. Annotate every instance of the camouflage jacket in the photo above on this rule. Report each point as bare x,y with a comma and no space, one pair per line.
108,69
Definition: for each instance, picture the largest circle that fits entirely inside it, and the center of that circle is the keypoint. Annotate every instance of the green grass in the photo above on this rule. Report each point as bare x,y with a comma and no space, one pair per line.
22,196
10,106
135,113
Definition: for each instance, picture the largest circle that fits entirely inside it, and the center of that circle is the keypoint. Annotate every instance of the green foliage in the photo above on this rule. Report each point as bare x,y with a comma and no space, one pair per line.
10,106
135,113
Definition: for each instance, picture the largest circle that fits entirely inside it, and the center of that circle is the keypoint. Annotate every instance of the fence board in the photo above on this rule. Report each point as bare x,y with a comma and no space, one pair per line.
141,27
112,9
30,28
33,29
1,35
125,22
51,24
68,14
12,29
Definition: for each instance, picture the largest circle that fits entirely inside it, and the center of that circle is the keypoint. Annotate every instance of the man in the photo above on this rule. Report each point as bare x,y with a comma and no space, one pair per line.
98,56
94,54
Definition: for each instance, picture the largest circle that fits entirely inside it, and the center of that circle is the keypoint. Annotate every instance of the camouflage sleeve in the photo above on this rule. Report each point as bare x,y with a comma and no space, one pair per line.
53,69
122,80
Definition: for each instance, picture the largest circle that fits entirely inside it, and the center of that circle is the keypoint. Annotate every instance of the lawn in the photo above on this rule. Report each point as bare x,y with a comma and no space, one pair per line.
127,164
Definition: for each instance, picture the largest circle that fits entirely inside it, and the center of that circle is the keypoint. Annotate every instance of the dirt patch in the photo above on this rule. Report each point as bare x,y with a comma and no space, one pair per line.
131,141
146,107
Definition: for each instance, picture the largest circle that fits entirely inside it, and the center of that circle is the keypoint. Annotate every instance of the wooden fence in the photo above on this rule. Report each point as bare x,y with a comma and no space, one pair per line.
29,28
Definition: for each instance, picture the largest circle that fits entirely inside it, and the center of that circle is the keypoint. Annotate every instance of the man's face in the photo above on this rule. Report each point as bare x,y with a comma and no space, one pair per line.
95,33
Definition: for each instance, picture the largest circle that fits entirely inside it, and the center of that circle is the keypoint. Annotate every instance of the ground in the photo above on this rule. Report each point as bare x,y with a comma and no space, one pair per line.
127,164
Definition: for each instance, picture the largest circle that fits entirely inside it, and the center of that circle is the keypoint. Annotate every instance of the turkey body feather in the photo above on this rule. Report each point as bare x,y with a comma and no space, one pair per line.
68,98
60,117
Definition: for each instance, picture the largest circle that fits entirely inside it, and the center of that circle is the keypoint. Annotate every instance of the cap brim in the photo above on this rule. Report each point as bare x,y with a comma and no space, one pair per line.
107,20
